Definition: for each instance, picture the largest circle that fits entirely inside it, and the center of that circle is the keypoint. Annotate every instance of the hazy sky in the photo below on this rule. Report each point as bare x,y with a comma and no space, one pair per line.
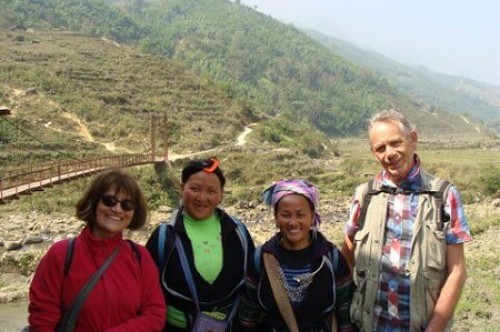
458,37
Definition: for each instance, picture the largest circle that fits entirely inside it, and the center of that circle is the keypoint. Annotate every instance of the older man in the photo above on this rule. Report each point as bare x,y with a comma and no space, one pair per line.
404,238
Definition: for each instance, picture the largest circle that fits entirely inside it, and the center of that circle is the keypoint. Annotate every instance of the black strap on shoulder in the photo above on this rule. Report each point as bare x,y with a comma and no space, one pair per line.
257,260
71,249
439,196
69,318
440,199
135,249
69,255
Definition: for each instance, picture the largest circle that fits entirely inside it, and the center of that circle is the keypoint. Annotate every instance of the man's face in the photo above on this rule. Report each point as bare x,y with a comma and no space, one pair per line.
393,148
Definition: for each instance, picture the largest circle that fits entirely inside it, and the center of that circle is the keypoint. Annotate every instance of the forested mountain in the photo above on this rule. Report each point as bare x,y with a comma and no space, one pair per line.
458,95
267,65
92,17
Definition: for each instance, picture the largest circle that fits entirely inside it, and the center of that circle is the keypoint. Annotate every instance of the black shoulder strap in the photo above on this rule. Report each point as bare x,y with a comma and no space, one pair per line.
257,260
439,196
135,249
69,255
69,318
71,248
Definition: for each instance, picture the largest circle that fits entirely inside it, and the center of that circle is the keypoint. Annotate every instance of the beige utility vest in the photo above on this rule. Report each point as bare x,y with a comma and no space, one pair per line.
426,267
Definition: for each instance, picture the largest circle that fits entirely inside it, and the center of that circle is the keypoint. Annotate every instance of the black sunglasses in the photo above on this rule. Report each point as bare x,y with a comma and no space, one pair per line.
110,201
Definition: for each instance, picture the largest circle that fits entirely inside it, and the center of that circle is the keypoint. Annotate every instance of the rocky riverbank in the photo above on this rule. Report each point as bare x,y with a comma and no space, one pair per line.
25,237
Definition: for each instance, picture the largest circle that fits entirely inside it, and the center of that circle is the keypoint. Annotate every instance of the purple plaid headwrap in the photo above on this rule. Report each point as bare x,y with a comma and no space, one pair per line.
283,188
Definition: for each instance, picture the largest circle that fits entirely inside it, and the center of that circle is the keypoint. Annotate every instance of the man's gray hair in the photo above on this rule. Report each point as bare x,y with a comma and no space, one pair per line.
391,115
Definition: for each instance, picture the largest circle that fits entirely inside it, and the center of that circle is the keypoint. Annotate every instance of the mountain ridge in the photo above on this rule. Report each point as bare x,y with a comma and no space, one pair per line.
460,95
270,66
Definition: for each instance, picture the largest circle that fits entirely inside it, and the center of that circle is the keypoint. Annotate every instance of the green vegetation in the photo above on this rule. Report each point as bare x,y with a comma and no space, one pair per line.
273,65
91,17
478,307
71,94
457,95
266,65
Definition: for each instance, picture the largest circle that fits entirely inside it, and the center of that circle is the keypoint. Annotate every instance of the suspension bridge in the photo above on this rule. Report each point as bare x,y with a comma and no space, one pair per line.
37,176
26,180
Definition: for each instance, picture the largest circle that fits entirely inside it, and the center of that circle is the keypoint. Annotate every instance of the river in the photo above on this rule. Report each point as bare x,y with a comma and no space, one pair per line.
13,316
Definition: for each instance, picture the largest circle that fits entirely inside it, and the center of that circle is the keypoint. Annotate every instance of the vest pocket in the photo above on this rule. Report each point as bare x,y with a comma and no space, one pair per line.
357,304
362,253
436,247
360,275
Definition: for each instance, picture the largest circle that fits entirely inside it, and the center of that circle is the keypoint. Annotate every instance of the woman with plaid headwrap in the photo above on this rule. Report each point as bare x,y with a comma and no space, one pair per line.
301,281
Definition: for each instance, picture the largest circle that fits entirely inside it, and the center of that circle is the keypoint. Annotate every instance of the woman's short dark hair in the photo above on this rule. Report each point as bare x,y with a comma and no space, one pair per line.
124,183
206,165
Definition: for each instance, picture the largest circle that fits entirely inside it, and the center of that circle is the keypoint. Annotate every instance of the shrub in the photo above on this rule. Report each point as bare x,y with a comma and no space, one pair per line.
489,180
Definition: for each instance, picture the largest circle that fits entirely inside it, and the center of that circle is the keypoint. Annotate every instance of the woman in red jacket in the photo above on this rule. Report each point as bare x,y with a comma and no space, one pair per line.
127,296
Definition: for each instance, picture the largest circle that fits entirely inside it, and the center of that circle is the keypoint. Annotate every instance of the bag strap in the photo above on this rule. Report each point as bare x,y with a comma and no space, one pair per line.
190,281
373,188
71,249
187,272
69,255
162,235
440,198
68,321
282,300
256,260
162,239
335,263
240,231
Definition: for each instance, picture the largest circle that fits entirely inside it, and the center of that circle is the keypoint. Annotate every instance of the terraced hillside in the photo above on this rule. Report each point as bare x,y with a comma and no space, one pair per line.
57,83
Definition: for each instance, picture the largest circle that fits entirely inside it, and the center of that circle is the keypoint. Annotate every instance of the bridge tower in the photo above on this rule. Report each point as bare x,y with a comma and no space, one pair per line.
159,122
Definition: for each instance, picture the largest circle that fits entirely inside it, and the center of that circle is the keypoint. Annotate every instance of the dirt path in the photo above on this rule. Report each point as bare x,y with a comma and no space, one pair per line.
241,140
82,128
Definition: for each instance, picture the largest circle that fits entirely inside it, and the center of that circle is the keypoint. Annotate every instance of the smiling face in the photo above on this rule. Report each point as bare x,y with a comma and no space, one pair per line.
294,218
201,194
111,220
393,148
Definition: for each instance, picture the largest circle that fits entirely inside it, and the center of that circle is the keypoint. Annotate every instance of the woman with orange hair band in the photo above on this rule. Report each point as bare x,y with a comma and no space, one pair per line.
202,254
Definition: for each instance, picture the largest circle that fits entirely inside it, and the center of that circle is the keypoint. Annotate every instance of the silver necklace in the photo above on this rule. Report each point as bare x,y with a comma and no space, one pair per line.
304,280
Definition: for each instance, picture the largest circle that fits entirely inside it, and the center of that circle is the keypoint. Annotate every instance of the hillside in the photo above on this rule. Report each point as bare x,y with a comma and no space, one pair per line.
269,66
458,95
71,93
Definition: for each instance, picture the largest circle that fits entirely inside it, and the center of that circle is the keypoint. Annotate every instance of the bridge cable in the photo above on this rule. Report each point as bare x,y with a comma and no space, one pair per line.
35,139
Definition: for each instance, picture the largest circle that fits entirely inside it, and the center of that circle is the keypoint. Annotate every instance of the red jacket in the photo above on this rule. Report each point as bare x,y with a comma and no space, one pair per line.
128,296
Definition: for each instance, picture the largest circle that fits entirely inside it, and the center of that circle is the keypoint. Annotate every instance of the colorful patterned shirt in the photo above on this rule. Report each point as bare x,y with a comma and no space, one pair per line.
392,305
